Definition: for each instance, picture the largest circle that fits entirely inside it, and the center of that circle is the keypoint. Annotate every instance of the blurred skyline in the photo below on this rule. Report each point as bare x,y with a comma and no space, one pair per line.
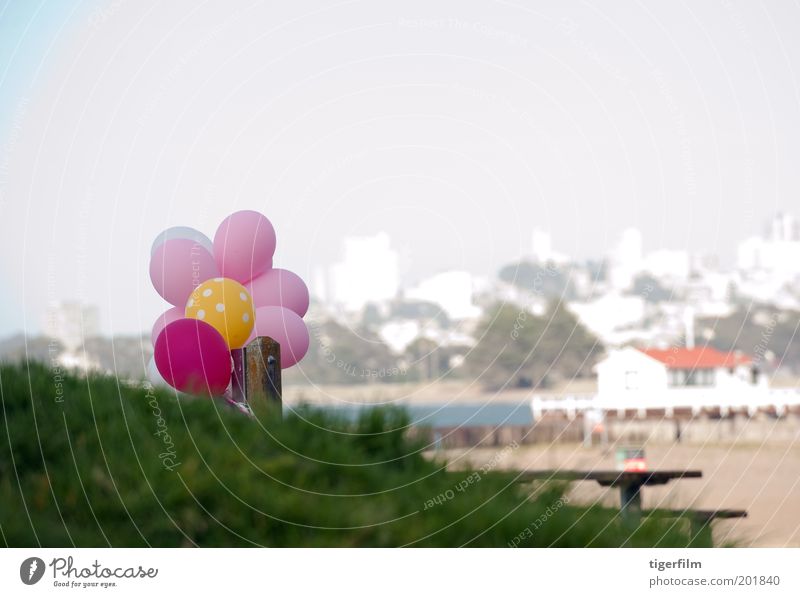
456,128
627,296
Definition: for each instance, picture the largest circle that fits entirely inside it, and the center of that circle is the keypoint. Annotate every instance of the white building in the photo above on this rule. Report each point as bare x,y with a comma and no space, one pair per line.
368,273
769,265
625,260
776,257
784,228
542,248
397,335
504,292
668,265
710,294
453,291
691,378
71,323
776,254
609,314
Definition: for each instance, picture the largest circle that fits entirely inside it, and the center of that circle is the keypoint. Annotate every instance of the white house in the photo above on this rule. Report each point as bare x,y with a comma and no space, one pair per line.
693,378
627,370
665,382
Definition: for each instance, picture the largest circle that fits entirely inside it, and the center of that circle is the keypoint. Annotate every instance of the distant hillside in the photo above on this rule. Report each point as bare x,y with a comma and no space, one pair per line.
771,336
125,356
518,349
18,348
548,281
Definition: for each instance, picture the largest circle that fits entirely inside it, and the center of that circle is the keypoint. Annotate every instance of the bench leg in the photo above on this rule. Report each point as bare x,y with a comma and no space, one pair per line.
630,501
700,532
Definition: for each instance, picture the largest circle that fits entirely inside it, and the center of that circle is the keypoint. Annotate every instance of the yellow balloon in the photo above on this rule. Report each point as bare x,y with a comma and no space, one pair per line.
226,306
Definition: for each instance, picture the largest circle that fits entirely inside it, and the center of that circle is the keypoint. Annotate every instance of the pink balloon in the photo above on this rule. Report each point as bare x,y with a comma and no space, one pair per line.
165,318
192,357
279,288
179,266
243,245
285,327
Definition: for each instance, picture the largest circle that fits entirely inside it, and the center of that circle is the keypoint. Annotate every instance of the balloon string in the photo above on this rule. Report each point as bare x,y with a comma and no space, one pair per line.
242,407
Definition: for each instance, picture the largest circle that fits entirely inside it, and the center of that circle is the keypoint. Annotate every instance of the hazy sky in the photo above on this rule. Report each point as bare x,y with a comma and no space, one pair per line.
456,127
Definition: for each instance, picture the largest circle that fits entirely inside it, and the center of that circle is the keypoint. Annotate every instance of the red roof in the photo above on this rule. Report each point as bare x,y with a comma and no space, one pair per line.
697,358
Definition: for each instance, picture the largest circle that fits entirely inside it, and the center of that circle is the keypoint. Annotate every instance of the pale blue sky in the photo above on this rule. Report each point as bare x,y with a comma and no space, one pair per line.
29,31
455,126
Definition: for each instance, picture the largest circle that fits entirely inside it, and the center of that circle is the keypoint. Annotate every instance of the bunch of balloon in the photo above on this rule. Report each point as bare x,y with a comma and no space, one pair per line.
224,294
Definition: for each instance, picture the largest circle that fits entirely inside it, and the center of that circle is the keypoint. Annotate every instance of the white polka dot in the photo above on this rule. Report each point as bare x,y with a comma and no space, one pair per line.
243,296
220,307
217,279
246,317
201,314
207,292
190,303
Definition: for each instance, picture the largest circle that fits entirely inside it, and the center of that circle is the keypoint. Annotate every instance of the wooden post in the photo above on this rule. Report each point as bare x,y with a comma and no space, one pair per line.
262,376
256,379
237,378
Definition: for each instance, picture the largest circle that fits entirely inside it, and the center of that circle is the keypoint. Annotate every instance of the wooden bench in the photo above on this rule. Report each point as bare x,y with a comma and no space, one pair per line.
699,520
630,484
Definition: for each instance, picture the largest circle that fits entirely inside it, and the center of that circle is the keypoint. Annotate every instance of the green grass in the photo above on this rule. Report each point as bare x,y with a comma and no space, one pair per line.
87,471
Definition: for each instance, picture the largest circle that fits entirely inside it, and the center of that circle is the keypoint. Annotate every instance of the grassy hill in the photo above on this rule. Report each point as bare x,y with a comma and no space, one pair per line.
92,462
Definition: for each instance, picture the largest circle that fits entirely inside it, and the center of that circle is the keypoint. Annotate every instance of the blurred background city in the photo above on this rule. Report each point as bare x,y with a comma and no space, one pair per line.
370,329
